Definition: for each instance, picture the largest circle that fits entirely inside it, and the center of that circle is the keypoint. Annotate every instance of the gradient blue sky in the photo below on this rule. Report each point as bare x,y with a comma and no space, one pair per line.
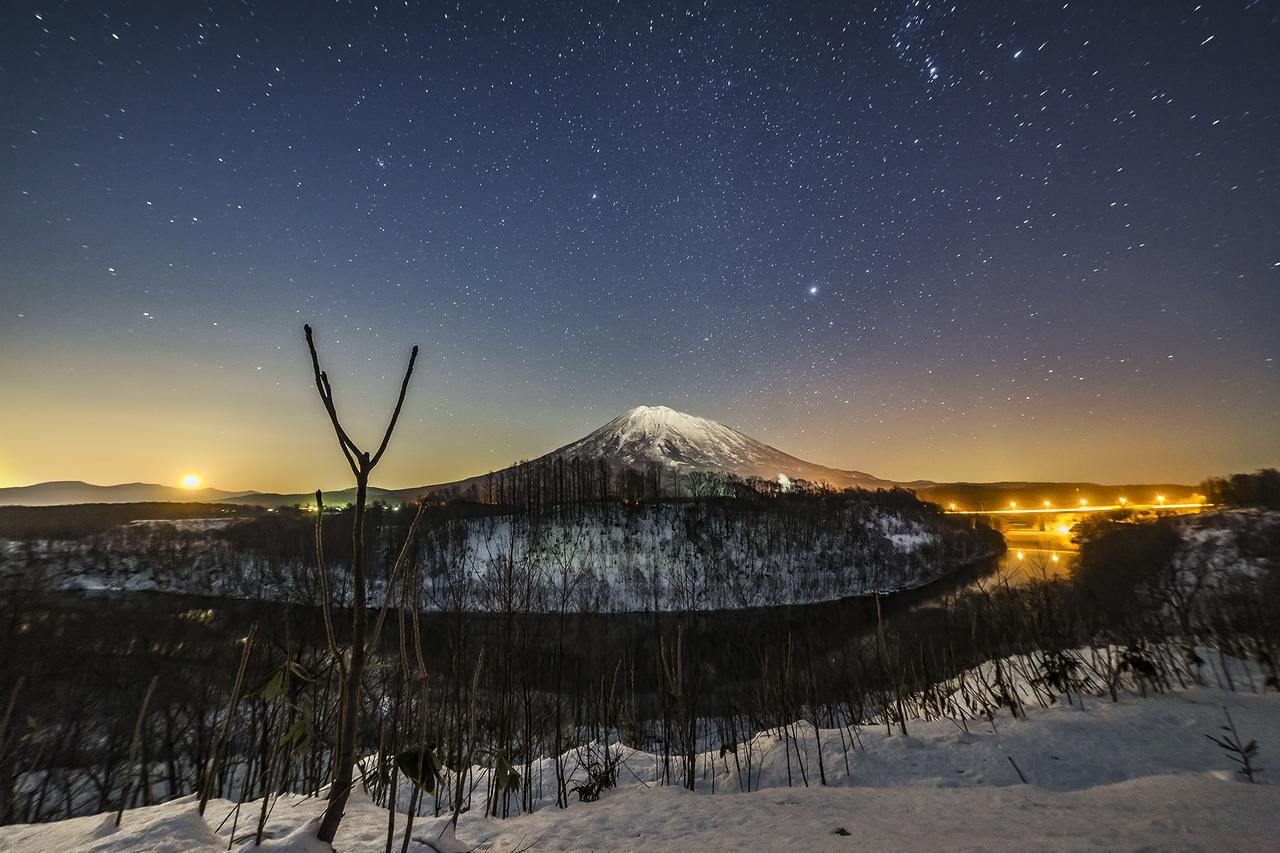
927,240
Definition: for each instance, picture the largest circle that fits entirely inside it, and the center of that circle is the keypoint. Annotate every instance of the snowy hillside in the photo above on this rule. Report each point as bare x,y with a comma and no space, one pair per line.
691,557
614,558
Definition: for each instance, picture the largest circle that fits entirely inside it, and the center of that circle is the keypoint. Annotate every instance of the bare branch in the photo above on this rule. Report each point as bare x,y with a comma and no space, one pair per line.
404,386
349,700
349,450
326,608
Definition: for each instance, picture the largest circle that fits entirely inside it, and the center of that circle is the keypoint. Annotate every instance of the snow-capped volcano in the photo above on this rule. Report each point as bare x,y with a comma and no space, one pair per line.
677,441
684,442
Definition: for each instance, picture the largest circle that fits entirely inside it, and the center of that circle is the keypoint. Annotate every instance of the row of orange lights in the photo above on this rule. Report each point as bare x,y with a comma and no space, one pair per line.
1083,502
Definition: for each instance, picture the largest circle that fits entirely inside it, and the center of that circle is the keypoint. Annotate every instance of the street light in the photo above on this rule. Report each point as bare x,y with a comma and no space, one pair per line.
1159,499
1084,502
1013,504
1123,501
1046,504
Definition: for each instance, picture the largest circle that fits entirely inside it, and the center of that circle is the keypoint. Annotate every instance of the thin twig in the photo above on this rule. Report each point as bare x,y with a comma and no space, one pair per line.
395,415
395,575
326,606
349,450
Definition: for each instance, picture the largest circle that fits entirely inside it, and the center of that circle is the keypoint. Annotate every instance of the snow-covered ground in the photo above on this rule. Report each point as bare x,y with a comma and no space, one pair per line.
1227,544
1133,774
1149,814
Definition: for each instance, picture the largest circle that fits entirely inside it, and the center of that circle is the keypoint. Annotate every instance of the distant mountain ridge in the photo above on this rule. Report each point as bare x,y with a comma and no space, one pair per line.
67,492
643,436
61,492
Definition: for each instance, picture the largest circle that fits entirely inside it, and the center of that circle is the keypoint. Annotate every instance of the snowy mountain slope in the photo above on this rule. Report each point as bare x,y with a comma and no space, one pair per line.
683,442
680,443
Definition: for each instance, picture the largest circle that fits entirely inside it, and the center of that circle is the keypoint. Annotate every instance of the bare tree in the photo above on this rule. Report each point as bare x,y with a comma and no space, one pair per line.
362,464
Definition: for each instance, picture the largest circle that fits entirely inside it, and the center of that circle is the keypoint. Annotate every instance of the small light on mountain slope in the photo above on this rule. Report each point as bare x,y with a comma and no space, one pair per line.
191,481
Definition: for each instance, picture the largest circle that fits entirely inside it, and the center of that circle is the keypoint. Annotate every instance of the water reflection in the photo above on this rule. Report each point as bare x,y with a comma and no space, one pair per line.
1035,553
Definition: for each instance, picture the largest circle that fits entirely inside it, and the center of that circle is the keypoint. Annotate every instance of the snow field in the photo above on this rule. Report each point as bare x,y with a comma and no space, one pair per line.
1101,775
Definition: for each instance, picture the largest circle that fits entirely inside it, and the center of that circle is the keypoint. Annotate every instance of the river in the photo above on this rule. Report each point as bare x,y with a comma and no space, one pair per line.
1034,554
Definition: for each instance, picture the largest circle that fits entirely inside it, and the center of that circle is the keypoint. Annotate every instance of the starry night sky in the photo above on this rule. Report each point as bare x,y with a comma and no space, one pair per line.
945,240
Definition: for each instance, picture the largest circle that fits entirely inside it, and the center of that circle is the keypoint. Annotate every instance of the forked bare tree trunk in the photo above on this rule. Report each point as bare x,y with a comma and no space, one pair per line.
362,464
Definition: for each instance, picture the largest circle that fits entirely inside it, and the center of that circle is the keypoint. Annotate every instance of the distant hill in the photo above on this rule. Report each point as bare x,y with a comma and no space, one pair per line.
76,492
335,498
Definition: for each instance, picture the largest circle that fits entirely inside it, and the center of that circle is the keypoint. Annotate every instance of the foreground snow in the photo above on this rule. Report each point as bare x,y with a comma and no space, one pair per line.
1102,775
1153,813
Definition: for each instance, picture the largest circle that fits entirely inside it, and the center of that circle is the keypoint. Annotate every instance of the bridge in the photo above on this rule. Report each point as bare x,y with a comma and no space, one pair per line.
1039,538
1085,507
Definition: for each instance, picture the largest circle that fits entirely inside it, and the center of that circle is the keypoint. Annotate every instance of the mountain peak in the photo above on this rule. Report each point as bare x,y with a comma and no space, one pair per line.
651,431
660,416
679,441
657,413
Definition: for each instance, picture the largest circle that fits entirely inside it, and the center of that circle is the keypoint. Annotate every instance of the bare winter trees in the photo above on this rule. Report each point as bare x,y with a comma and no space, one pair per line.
362,464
